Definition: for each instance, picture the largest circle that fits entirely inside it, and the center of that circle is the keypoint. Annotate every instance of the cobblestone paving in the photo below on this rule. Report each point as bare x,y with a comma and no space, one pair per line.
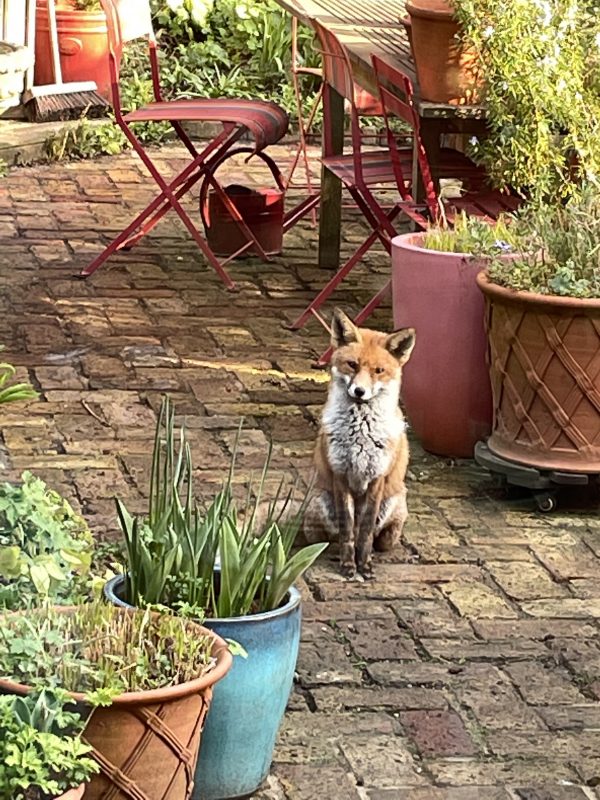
470,667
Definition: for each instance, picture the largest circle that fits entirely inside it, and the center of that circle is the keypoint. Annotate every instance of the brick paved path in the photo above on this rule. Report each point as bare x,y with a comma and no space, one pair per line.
470,668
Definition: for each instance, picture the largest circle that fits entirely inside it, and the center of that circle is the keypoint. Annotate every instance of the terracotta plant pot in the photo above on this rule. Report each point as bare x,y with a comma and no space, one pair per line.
445,385
73,794
83,45
447,72
544,355
248,706
146,743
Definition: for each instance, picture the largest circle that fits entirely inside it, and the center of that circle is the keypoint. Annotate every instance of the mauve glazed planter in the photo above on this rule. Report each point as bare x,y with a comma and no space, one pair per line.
445,385
249,704
545,374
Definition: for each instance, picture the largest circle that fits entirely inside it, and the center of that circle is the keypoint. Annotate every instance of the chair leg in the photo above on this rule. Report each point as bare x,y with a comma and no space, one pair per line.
169,198
362,315
339,276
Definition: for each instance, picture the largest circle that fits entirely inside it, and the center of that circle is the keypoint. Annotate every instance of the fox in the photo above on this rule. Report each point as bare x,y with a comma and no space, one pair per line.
361,453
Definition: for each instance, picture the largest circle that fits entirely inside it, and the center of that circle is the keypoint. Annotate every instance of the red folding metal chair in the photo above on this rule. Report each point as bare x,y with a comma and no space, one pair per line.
366,105
359,171
266,122
397,98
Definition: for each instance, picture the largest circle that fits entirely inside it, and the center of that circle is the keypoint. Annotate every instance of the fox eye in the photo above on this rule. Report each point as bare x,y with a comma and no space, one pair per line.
379,370
352,364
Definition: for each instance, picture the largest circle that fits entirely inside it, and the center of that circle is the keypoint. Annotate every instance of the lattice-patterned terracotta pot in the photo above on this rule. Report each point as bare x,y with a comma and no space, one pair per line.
544,359
146,743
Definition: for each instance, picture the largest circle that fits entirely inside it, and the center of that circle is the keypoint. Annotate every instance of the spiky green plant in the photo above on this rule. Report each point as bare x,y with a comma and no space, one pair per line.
172,551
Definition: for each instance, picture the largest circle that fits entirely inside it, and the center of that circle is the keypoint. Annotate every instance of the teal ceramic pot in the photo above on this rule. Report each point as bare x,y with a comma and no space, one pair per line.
249,703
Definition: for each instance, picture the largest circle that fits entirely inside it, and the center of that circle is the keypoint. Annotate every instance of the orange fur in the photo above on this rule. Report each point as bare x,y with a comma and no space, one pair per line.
361,453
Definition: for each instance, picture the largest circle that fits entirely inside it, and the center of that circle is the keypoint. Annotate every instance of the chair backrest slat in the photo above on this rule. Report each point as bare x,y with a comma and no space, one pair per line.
397,99
337,70
128,20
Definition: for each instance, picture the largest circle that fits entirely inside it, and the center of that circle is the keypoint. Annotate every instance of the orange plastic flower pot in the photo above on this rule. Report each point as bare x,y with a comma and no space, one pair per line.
83,45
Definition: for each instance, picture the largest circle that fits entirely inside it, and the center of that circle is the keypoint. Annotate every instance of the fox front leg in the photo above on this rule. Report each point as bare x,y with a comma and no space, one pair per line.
344,507
366,528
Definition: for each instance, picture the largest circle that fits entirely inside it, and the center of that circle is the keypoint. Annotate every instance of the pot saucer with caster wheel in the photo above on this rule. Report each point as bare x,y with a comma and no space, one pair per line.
545,484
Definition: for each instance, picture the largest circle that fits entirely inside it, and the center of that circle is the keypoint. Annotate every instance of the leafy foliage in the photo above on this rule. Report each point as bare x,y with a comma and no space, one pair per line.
226,48
102,650
13,392
172,552
41,754
562,256
541,65
473,235
45,547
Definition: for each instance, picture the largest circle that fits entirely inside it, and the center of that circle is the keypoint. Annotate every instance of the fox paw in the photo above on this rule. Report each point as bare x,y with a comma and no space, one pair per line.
367,572
348,571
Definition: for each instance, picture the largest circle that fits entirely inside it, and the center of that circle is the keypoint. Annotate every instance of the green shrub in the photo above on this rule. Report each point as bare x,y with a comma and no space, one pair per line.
172,551
45,547
472,235
562,256
41,754
541,67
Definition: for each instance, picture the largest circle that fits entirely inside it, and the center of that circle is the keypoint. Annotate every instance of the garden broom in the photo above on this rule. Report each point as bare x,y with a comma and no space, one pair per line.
58,100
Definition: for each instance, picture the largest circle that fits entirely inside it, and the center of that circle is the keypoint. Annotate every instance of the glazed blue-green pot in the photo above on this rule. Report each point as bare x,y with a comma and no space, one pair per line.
249,703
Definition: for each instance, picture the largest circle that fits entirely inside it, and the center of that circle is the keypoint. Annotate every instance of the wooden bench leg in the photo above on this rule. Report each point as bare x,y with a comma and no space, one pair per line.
330,218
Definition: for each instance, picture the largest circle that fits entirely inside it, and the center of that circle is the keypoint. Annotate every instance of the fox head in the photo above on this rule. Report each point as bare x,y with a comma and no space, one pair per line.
367,363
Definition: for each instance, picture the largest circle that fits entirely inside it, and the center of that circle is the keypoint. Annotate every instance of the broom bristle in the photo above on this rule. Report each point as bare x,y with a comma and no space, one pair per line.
54,108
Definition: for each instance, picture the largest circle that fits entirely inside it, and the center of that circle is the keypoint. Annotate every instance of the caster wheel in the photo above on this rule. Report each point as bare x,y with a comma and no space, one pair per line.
546,502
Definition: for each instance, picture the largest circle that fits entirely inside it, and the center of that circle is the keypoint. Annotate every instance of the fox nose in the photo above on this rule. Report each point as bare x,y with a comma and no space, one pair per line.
359,392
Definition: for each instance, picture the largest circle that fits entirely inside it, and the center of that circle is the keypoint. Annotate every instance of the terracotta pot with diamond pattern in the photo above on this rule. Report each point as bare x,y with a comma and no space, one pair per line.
544,360
147,743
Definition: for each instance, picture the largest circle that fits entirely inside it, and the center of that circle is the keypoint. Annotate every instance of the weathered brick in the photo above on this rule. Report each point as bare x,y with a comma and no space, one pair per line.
379,639
437,733
523,581
477,601
381,762
332,698
544,686
493,700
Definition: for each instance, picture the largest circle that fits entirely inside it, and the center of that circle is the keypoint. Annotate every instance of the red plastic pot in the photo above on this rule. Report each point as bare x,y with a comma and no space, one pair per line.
445,385
83,45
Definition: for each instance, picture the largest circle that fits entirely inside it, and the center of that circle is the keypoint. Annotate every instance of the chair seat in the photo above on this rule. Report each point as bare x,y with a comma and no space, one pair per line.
490,203
267,122
376,164
377,167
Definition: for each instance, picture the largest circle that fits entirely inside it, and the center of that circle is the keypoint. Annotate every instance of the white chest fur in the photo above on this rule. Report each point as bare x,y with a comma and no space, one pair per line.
362,437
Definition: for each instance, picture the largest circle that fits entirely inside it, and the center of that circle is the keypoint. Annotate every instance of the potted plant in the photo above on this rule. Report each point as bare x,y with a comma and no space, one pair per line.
447,69
240,572
445,386
543,325
147,676
540,77
45,547
42,756
82,40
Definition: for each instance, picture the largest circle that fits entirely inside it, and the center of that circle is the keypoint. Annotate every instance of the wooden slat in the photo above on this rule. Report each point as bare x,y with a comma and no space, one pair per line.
373,26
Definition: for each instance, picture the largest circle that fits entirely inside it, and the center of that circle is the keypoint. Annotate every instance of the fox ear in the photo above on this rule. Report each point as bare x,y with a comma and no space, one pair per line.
400,344
343,330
